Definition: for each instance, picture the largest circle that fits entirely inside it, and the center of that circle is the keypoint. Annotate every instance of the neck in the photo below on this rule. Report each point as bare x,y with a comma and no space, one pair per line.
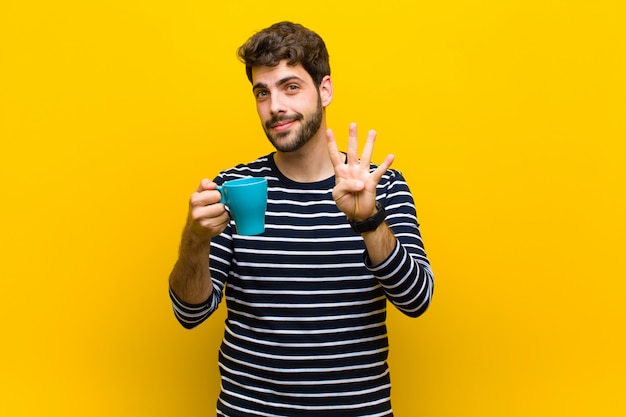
310,163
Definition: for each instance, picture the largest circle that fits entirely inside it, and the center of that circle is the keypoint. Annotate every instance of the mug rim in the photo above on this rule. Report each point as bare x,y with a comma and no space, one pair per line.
244,181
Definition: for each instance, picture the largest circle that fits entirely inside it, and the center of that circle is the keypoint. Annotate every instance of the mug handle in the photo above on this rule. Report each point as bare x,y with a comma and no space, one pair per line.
220,188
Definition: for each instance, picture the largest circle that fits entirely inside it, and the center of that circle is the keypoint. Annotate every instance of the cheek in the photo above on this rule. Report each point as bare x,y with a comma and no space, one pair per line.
262,110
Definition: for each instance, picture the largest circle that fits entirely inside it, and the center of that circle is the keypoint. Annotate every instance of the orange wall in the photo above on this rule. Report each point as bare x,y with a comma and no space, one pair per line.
507,118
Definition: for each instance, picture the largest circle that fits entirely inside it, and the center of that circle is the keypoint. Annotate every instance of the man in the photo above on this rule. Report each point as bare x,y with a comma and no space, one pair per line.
305,333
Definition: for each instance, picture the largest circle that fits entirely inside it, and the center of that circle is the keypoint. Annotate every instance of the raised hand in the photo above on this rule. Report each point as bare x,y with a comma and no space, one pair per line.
355,189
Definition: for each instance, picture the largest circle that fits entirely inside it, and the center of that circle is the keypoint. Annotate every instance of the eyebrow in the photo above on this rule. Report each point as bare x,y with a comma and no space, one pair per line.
278,83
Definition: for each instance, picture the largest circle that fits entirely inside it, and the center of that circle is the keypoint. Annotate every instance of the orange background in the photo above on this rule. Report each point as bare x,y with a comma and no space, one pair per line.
507,119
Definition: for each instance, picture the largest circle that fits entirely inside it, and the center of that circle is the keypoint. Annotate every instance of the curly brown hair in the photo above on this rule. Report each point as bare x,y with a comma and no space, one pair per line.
286,41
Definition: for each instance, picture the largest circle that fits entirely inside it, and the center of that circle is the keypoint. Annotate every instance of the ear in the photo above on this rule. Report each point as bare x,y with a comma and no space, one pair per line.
326,91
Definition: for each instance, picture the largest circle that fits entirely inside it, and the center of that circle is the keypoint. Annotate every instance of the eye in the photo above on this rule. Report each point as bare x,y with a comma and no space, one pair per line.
261,94
292,88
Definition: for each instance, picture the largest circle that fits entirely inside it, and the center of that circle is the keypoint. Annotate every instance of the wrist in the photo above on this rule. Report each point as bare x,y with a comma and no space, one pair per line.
371,223
193,241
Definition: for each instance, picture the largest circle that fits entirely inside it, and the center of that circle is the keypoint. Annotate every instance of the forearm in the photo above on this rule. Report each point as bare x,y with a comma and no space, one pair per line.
407,280
190,278
379,243
397,258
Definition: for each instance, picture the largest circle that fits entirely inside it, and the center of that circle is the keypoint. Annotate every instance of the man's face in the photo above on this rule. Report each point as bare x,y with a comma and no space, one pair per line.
288,103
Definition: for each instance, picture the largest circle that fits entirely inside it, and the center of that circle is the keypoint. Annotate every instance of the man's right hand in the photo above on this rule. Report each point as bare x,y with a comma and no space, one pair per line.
207,216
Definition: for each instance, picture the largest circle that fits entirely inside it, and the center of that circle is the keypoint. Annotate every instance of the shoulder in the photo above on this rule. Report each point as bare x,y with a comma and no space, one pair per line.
260,167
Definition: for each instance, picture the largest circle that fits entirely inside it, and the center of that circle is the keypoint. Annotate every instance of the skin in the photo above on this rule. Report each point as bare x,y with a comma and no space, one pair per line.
292,111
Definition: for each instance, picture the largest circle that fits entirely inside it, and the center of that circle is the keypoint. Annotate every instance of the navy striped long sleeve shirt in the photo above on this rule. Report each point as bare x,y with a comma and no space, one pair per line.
305,333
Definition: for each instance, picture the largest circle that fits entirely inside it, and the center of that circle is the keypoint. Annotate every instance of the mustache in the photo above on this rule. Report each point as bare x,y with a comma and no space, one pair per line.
283,118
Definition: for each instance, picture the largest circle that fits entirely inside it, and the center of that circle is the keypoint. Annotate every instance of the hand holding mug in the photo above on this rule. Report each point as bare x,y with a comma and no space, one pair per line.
207,218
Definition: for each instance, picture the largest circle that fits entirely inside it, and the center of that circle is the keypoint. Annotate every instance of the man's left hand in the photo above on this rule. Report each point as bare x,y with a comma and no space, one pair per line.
355,189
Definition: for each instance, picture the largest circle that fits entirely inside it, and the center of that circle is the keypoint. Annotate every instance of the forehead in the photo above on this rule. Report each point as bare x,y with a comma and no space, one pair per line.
271,75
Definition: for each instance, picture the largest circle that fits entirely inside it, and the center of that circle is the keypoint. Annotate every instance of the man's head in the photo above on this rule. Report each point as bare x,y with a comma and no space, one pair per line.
287,65
286,41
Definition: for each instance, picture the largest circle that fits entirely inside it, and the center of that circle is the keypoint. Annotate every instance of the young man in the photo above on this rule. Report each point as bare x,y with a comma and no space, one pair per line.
305,333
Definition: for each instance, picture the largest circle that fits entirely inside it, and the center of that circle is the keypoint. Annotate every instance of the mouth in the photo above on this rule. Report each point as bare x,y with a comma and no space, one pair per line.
281,124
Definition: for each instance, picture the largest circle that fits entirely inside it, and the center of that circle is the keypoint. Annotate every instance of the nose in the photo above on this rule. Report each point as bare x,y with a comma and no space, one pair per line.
277,106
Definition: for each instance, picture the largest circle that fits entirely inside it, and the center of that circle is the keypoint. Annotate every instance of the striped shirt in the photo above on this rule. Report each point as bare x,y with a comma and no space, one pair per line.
305,334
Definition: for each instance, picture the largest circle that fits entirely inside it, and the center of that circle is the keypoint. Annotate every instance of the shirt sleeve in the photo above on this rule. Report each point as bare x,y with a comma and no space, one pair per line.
191,315
406,275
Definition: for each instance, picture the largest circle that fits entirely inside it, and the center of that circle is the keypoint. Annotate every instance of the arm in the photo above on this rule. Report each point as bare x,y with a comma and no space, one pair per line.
394,250
190,281
406,275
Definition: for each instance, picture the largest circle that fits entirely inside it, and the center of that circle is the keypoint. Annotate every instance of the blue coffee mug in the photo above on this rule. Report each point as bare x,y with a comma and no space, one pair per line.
246,199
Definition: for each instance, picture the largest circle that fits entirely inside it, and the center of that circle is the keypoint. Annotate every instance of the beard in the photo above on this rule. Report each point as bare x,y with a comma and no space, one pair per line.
293,140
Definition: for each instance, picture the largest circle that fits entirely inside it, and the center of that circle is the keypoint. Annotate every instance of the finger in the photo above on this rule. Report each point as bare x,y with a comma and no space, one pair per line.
366,156
209,218
205,198
333,152
388,161
209,214
383,167
353,143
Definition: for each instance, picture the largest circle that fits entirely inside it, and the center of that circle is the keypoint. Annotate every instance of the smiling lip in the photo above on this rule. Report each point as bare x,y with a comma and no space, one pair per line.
282,126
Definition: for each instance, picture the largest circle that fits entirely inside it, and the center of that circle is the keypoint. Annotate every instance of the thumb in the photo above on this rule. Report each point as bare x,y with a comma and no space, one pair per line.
206,184
357,185
349,186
